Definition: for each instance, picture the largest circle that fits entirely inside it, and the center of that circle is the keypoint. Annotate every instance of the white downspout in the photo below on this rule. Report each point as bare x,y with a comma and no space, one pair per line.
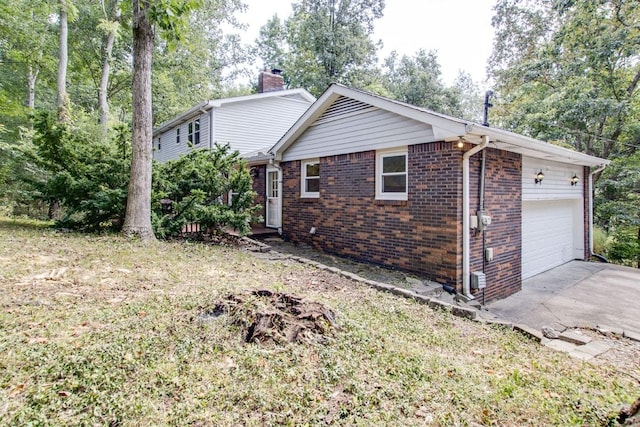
466,230
600,169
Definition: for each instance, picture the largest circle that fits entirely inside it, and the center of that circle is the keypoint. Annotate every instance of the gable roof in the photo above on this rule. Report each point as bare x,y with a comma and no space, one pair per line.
445,128
294,94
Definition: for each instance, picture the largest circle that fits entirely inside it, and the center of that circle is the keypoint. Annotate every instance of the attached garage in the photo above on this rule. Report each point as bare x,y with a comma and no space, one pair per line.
553,216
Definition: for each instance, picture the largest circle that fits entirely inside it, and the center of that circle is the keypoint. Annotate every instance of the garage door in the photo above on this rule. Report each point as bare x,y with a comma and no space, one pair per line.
548,235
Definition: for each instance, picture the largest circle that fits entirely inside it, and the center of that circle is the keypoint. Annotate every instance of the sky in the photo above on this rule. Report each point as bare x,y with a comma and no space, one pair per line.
459,30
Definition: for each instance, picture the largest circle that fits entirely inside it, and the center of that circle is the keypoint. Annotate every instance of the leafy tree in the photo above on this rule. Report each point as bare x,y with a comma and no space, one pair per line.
417,80
195,187
323,42
569,71
618,208
27,55
201,65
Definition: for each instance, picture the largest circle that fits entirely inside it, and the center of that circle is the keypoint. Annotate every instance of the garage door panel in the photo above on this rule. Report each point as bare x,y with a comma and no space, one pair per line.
548,235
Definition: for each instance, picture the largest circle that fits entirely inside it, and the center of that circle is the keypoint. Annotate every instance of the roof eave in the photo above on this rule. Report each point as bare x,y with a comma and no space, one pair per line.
531,147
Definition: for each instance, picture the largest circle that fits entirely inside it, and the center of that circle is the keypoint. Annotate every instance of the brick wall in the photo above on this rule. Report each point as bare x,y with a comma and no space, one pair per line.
259,186
419,235
503,203
422,235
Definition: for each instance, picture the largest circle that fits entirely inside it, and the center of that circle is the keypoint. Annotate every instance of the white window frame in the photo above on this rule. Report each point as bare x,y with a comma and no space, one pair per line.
193,132
304,177
380,155
177,135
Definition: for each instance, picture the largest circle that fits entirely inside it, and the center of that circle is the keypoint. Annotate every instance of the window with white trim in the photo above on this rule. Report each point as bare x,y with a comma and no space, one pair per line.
177,135
391,175
193,132
310,178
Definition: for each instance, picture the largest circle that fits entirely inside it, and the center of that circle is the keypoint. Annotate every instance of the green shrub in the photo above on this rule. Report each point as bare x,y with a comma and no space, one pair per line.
601,240
195,188
86,176
625,248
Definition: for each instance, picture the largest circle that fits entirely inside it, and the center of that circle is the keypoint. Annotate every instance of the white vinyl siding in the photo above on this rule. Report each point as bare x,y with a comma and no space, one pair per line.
552,215
556,183
310,179
258,124
171,149
356,131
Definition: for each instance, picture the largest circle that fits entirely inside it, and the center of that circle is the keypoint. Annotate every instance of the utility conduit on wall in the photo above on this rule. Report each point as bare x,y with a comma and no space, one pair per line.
466,230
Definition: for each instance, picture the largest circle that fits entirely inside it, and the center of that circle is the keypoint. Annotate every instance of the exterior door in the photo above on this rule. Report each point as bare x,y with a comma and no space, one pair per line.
273,219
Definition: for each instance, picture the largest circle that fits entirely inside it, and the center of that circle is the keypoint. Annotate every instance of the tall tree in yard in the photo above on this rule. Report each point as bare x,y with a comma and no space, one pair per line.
137,220
171,17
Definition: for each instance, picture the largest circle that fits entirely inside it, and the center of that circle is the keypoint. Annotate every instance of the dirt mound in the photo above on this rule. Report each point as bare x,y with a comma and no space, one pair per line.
268,316
630,416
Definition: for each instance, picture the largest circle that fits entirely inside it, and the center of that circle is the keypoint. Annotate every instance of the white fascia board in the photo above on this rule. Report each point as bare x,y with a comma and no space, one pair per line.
510,141
203,107
273,94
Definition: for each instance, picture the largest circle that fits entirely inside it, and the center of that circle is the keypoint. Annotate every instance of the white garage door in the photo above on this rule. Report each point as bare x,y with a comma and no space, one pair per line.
549,235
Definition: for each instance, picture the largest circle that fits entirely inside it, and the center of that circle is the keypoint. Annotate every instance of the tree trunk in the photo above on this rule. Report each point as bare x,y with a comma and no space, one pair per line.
107,48
31,79
137,221
63,61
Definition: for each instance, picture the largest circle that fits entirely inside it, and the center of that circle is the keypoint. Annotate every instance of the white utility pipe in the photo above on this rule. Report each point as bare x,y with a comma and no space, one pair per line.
466,229
600,169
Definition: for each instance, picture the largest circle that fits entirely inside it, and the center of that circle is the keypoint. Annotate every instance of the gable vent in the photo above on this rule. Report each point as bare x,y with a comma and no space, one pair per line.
344,107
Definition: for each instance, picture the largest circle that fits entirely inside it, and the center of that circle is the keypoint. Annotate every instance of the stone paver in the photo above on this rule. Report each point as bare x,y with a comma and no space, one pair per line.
594,348
559,345
574,337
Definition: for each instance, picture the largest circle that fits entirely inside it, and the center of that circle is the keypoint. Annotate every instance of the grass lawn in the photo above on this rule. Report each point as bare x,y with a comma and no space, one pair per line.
100,330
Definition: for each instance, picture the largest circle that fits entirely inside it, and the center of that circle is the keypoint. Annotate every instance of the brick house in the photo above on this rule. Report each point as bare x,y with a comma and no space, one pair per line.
466,205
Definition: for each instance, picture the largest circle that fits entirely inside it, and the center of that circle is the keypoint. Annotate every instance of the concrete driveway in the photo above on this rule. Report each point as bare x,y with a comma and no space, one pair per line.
577,294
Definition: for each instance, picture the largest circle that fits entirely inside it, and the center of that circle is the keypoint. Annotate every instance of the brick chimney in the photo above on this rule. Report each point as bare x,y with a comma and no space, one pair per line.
270,81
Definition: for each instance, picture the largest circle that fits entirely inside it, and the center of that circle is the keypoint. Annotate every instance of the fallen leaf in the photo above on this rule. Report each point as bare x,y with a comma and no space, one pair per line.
17,389
64,393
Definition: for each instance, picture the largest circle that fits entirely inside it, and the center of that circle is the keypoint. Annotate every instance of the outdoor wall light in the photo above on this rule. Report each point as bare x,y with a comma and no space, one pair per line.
539,177
574,180
460,142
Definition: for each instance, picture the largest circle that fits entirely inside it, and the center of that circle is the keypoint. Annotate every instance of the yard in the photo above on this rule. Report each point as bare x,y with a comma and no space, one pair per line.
99,330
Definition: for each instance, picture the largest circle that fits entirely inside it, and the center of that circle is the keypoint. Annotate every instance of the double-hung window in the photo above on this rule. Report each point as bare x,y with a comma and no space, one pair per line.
193,132
310,178
391,175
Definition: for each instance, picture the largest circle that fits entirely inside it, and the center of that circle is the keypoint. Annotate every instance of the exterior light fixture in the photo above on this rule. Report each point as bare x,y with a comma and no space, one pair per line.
460,142
539,177
574,180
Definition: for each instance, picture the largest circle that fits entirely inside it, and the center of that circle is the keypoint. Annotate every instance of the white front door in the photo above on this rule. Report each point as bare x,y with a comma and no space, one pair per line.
273,219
